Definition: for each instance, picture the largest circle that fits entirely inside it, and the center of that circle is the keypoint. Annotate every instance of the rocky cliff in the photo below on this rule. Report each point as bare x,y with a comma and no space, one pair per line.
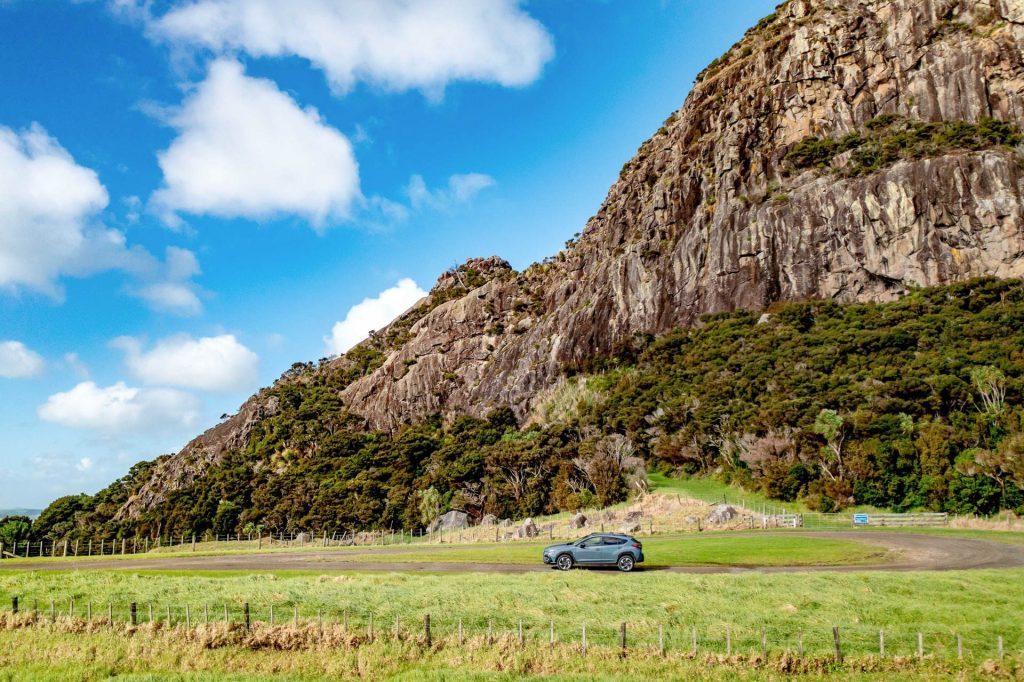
921,186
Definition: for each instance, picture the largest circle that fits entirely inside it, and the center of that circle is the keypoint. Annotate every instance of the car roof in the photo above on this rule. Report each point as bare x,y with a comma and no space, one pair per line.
609,535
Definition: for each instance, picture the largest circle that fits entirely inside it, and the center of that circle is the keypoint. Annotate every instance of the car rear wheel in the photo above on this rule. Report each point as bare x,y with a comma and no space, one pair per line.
625,563
563,562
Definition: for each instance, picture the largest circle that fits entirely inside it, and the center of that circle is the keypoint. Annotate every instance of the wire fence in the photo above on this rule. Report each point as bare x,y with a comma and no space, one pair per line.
306,626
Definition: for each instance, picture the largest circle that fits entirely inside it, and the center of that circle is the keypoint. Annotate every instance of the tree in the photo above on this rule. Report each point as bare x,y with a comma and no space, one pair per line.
830,426
15,529
990,383
430,505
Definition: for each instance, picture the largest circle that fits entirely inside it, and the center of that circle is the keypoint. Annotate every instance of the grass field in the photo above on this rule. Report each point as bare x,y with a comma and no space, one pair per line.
980,606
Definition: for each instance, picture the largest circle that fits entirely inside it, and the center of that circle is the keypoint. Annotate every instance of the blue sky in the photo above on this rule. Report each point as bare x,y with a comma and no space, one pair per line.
194,195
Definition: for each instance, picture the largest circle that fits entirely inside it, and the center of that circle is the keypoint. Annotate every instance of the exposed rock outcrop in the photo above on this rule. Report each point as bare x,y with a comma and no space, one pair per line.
710,216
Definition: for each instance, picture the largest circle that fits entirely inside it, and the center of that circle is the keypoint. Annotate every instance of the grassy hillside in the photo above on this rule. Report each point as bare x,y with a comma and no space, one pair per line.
914,404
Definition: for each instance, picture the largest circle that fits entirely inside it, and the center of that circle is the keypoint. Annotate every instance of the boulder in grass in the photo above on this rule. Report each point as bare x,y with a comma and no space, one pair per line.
721,514
303,538
527,530
630,528
634,515
453,520
504,523
609,516
489,520
578,521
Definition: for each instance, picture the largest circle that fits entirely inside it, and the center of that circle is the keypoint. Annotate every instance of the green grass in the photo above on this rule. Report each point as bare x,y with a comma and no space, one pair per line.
980,606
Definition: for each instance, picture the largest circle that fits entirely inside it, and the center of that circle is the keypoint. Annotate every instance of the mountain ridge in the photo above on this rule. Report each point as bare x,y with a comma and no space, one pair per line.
713,215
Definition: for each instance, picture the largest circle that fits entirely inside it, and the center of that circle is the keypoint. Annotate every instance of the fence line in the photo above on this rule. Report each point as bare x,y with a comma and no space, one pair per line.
506,630
547,530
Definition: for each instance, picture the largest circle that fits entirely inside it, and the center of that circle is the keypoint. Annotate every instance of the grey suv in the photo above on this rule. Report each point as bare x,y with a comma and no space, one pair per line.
597,549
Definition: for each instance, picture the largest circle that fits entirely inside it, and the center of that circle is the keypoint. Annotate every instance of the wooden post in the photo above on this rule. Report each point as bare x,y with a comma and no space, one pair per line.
551,634
959,647
259,541
150,613
225,612
14,604
101,547
622,637
188,617
920,645
124,542
661,640
88,612
245,612
839,648
583,640
53,611
325,538
764,643
65,547
426,629
193,542
271,614
135,545
206,613
168,615
295,614
2,550
1000,647
76,548
110,614
370,628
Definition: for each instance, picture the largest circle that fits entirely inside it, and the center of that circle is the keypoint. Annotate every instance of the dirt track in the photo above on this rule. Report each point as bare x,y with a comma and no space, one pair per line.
909,552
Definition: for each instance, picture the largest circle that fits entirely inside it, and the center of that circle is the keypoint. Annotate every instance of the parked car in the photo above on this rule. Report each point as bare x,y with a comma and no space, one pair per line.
597,549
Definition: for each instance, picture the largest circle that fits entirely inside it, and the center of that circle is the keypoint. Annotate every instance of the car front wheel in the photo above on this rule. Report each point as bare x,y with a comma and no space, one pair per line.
563,562
626,563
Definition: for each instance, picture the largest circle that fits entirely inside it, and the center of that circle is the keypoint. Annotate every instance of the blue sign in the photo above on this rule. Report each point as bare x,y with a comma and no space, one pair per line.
860,519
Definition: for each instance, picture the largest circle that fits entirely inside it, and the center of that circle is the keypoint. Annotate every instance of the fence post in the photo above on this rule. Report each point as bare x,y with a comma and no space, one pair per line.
193,542
1,549
344,622
259,541
881,643
245,610
271,614
133,613
622,637
839,648
110,614
583,640
920,645
959,647
728,640
14,604
65,547
370,627
764,643
188,617
101,546
124,542
206,613
1000,647
426,629
661,640
325,538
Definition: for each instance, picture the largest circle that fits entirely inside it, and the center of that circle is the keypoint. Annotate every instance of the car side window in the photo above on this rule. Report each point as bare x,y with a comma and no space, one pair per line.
614,541
592,542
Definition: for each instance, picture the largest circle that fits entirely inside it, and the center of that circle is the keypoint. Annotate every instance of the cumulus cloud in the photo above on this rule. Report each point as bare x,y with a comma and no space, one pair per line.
246,150
49,225
122,409
215,363
174,291
460,189
48,205
18,361
372,314
394,44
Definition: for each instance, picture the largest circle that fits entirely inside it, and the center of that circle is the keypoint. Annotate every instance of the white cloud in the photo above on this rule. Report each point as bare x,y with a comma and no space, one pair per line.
122,409
48,205
49,227
173,291
84,464
245,149
75,364
18,361
214,363
394,44
460,189
372,314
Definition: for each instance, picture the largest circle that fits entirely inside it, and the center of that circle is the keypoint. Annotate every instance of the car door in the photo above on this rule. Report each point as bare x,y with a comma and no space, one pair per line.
590,551
610,549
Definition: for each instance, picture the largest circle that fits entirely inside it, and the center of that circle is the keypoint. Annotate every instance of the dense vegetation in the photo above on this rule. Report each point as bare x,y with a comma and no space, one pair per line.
914,404
890,138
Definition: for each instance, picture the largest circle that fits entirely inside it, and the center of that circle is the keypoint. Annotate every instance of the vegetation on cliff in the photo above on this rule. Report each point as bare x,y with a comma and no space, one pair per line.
914,404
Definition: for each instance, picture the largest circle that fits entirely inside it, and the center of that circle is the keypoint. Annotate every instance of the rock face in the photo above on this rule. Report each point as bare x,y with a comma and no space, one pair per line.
706,217
578,521
709,216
